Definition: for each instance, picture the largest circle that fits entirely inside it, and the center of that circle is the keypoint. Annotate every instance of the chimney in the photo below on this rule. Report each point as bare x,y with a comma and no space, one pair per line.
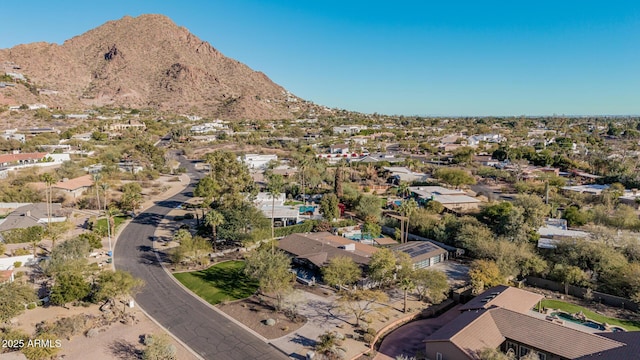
28,213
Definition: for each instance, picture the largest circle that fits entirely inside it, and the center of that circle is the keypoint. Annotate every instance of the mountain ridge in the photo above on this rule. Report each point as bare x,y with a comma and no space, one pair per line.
145,62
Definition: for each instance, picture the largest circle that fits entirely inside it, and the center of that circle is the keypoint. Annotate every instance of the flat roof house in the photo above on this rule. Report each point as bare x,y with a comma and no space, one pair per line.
451,199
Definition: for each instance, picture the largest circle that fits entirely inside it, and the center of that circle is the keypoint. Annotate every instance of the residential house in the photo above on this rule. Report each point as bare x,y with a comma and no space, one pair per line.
555,230
341,149
315,250
398,174
274,208
32,215
348,129
423,253
475,140
7,160
453,200
591,189
131,124
74,188
501,318
13,134
257,161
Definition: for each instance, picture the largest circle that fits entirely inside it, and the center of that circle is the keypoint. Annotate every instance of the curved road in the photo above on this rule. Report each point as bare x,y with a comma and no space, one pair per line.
208,333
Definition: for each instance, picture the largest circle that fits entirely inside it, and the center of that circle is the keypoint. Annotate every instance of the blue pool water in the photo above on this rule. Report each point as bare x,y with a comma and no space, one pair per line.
588,323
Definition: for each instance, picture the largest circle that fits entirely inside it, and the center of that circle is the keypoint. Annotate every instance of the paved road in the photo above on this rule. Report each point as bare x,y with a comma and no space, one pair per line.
208,333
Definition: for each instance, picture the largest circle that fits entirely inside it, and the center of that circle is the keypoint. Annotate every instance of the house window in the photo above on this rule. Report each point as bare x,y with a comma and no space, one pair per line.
524,351
438,356
542,356
511,346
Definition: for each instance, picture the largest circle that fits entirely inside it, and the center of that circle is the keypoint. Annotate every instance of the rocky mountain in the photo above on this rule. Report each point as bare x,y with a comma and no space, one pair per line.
143,62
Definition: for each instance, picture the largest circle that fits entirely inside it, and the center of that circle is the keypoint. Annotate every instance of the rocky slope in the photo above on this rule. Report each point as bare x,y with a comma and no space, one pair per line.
144,62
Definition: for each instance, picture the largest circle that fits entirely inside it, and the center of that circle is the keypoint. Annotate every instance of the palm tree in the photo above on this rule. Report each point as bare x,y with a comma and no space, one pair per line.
274,188
96,180
406,285
407,209
49,180
403,189
213,219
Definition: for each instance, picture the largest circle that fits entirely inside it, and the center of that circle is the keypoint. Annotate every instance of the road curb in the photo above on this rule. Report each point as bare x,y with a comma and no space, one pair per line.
115,243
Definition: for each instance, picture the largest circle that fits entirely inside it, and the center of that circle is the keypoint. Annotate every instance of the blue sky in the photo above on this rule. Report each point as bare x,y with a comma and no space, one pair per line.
425,57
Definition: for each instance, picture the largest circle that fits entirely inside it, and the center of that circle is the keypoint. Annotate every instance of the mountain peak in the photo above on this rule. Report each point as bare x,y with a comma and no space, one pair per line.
147,61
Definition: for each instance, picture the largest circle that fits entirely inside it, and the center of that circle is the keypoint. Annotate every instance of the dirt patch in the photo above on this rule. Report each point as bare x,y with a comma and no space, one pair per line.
253,313
112,339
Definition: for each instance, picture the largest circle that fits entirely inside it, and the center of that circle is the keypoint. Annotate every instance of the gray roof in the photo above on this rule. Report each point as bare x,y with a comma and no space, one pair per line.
420,250
28,215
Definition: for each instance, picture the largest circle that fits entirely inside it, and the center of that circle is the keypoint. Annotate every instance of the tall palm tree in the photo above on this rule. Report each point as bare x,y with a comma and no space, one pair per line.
213,219
407,209
274,188
96,183
49,180
403,189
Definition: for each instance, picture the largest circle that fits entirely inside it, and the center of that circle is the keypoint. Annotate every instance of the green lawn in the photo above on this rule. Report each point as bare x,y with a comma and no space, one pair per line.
101,224
572,309
221,282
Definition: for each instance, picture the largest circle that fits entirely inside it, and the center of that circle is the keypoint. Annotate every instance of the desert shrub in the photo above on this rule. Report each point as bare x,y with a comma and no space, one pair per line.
21,251
69,326
368,338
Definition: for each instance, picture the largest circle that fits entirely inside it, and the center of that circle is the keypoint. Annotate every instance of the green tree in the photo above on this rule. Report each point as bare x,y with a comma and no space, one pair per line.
382,266
369,206
68,256
113,285
535,210
575,217
230,178
360,302
271,269
463,155
431,285
568,275
485,274
13,300
341,271
329,207
131,196
213,219
454,177
69,286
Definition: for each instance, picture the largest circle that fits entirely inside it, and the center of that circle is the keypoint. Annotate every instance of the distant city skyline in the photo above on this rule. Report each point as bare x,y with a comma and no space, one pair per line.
464,58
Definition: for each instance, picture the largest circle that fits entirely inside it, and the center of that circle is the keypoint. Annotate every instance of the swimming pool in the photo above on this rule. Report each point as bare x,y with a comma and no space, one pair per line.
588,323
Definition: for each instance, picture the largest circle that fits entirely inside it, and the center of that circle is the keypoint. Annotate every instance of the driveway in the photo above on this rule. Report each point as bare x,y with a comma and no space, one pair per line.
321,317
407,339
205,331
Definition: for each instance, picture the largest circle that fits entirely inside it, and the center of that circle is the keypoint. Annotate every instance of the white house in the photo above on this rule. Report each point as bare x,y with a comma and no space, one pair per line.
257,161
348,129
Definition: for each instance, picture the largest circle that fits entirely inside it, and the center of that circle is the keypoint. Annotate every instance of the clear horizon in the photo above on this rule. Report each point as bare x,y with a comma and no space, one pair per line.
410,58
